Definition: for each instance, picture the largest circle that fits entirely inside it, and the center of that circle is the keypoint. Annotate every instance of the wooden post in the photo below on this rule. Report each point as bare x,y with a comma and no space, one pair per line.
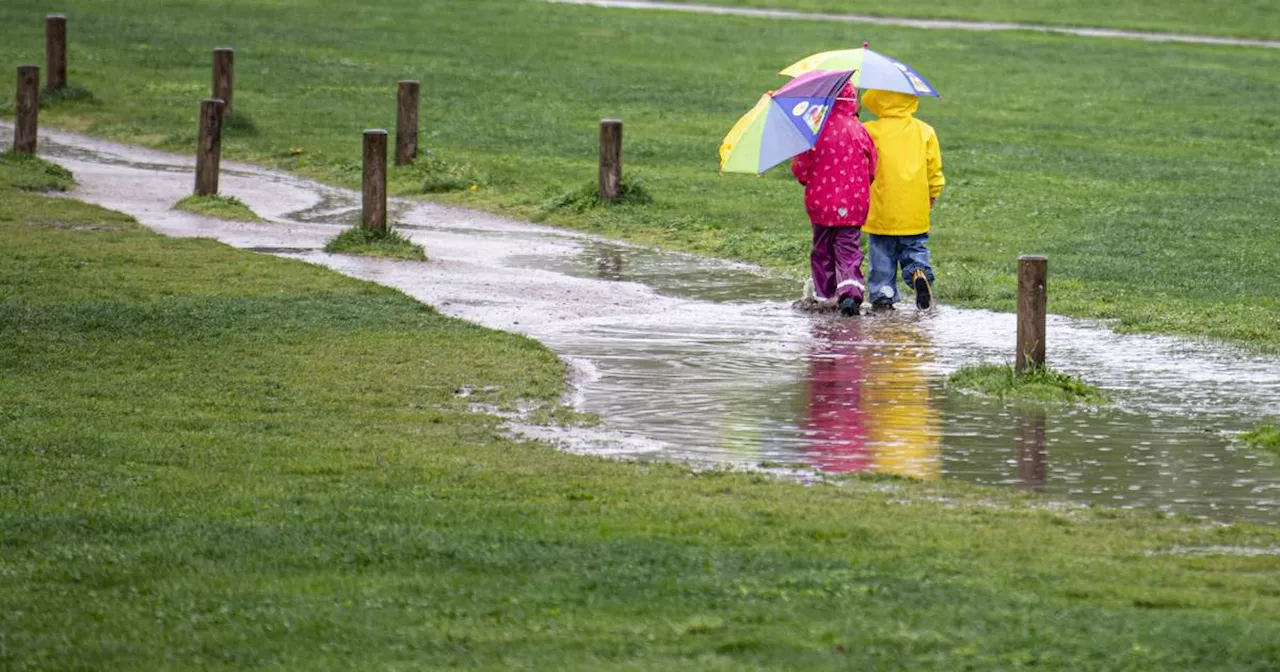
610,159
209,149
407,123
374,198
1033,299
1029,445
224,77
28,110
55,51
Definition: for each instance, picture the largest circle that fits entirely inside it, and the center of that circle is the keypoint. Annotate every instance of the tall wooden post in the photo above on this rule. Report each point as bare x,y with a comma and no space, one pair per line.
209,147
610,159
407,123
224,77
1033,300
55,51
28,110
374,193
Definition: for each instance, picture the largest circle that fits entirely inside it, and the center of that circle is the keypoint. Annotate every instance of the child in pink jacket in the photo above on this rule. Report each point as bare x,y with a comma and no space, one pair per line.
837,175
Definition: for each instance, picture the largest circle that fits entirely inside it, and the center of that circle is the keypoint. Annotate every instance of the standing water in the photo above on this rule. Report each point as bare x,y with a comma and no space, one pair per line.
696,360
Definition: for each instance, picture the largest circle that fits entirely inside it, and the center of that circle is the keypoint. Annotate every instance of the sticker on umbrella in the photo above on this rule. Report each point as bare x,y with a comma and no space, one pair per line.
783,123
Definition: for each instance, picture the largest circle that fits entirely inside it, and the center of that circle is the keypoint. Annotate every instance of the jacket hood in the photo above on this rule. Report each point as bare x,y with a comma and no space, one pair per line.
846,104
890,104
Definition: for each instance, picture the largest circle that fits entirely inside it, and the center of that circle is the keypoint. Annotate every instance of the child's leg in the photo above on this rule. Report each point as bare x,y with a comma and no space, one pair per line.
915,257
848,262
822,263
883,278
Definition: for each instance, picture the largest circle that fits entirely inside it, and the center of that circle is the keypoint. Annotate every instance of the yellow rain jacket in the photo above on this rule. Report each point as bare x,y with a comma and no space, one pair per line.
910,170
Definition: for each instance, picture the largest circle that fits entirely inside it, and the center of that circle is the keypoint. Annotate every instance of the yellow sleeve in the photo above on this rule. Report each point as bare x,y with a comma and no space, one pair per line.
933,159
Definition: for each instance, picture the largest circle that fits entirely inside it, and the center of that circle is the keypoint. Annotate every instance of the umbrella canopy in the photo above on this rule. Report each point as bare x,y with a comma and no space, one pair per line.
783,123
874,71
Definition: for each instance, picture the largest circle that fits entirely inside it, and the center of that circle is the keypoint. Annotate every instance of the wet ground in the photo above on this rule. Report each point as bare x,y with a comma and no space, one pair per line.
705,361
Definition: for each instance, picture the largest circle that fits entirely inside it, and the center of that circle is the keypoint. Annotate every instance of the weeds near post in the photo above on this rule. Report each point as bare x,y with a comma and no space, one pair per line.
222,207
1263,437
632,191
1038,384
431,173
67,94
392,245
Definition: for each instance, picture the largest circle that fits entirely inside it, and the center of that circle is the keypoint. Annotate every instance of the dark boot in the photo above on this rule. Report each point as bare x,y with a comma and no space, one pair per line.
850,307
924,293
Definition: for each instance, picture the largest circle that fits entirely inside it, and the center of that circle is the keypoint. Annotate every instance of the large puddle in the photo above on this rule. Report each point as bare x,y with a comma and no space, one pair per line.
704,361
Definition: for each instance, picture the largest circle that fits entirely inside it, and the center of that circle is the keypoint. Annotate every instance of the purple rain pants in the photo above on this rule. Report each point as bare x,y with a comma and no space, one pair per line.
836,261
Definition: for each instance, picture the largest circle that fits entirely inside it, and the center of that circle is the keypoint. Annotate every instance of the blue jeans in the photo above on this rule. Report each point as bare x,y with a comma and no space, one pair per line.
887,254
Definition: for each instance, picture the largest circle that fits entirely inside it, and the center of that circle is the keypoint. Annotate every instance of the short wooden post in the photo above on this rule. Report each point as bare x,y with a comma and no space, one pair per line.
407,123
1030,448
610,159
1033,300
374,195
28,110
55,51
224,78
209,147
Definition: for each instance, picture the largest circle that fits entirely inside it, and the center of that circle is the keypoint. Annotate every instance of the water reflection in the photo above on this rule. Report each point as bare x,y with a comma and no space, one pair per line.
609,263
1029,448
835,421
869,400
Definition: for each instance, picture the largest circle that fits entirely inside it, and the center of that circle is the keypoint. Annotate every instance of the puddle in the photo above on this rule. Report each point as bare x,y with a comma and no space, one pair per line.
703,361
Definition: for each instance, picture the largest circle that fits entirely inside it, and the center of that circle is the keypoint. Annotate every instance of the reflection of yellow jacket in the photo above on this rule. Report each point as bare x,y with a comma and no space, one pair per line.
910,170
904,431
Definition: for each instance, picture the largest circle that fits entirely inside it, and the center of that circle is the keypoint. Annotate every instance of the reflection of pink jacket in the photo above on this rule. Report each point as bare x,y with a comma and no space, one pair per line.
835,422
838,171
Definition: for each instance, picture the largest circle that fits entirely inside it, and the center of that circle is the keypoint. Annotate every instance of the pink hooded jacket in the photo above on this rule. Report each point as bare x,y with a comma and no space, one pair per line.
838,171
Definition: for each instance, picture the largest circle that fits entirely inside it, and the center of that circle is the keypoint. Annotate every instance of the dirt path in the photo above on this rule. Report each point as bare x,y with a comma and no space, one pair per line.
928,24
691,359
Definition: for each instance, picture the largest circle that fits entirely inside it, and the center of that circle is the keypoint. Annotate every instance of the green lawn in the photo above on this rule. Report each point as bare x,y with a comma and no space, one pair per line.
1146,172
213,459
1238,18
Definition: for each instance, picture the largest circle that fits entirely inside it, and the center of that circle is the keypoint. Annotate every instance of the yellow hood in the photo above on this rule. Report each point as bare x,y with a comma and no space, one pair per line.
909,170
890,104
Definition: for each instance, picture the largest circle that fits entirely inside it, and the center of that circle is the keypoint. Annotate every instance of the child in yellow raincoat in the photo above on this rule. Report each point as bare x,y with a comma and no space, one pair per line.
908,181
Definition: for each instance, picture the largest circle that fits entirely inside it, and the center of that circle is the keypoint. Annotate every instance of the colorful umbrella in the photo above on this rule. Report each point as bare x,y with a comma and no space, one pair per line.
874,71
783,123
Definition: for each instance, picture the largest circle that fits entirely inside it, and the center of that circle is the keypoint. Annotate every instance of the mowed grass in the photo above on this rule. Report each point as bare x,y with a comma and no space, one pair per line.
1145,171
219,460
1240,18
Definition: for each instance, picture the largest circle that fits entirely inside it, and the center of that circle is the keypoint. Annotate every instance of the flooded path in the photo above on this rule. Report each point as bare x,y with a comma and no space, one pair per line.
697,360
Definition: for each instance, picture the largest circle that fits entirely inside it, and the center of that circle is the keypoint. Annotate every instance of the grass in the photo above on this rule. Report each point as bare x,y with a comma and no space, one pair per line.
215,205
219,460
1263,437
359,240
1250,18
30,173
1039,384
586,197
1116,159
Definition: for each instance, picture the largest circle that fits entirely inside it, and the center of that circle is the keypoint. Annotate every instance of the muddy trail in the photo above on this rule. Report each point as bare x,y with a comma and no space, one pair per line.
704,361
